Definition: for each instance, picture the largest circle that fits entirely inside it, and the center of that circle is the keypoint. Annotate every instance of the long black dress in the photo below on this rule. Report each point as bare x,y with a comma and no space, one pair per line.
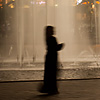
51,61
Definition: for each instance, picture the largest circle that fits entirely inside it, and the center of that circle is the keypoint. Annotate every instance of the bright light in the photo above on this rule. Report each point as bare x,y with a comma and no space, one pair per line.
88,2
93,6
56,5
97,2
12,6
79,1
84,3
41,2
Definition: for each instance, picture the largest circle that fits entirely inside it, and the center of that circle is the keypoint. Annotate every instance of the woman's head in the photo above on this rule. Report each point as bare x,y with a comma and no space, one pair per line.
49,31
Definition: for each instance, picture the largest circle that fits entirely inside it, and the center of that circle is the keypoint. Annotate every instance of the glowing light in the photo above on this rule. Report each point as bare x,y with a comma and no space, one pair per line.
88,2
41,2
56,5
84,3
11,6
91,12
6,1
79,1
0,4
93,6
97,2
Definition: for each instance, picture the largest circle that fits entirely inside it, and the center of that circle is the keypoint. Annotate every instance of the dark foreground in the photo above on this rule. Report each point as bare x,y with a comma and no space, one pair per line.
69,90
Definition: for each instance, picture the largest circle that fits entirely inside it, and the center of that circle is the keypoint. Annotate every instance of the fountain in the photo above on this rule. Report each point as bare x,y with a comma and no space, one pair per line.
76,24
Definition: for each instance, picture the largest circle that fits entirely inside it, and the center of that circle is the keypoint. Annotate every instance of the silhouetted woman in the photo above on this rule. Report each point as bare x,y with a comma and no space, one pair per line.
51,61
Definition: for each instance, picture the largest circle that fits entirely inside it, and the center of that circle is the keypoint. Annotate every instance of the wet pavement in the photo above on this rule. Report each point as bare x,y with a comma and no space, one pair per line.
69,90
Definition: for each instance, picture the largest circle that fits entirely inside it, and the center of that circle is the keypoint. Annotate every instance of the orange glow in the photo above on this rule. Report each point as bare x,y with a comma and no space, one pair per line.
0,0
0,4
11,6
97,2
84,3
6,1
88,2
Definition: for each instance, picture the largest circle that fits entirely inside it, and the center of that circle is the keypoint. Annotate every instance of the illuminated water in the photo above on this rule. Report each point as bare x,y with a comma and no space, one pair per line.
23,41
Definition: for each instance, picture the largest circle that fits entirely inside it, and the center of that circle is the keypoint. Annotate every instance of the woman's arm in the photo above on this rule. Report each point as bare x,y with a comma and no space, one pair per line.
53,45
59,46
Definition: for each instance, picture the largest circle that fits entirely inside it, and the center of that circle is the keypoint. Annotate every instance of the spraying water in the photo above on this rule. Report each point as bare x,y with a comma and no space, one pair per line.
74,25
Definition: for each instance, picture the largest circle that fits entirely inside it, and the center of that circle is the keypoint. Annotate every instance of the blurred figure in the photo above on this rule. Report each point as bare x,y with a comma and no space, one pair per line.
51,61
